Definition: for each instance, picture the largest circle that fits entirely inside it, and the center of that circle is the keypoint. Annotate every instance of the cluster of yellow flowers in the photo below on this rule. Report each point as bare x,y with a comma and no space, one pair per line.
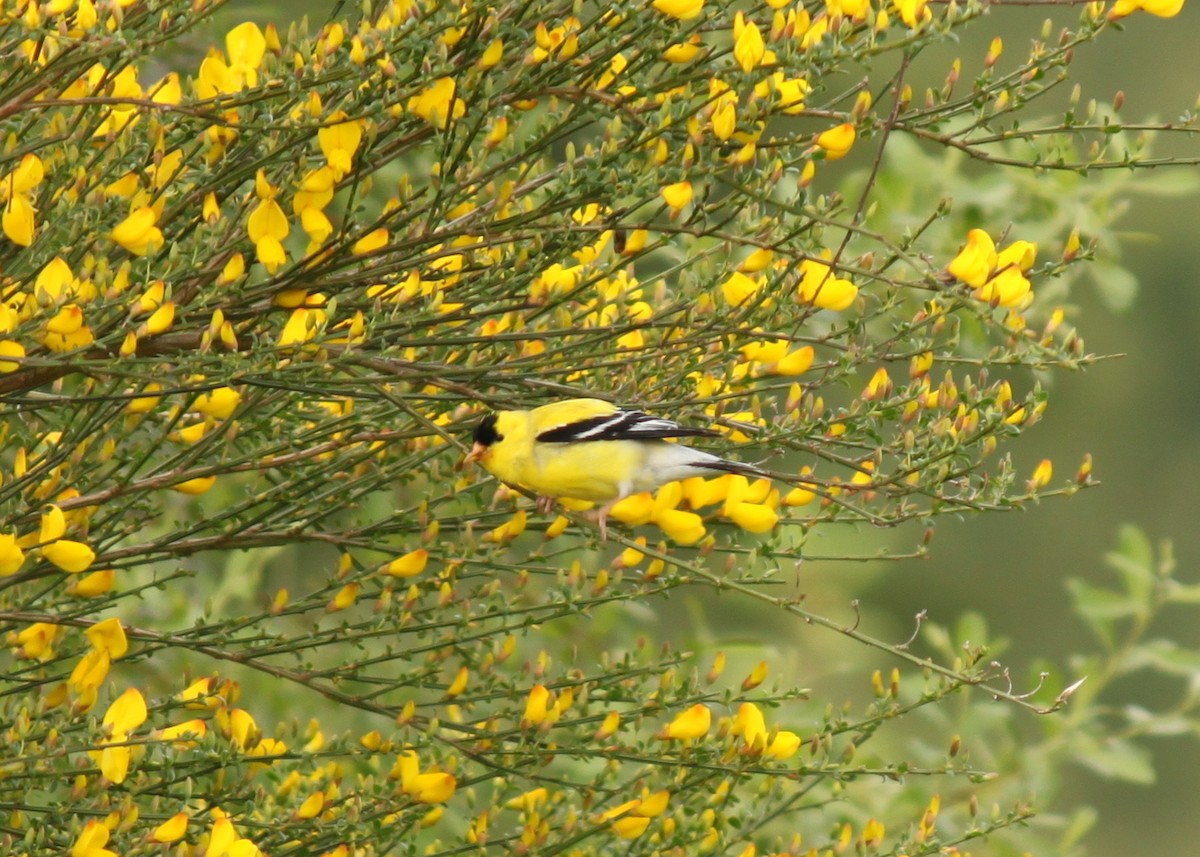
173,248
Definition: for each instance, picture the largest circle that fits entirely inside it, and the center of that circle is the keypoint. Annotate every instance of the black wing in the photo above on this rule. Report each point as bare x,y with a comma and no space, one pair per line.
622,425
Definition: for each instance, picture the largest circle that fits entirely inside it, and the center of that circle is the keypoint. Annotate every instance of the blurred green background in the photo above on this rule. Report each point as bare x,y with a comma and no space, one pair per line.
1136,415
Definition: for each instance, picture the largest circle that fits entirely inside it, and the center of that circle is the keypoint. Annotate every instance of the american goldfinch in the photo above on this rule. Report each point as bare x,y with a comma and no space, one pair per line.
590,449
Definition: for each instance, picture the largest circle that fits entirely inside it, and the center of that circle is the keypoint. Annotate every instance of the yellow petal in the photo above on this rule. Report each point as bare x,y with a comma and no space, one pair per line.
677,195
137,233
11,555
753,517
68,555
433,788
409,565
749,48
683,10
95,584
837,141
683,528
195,487
797,362
18,221
692,723
171,830
976,261
108,636
127,713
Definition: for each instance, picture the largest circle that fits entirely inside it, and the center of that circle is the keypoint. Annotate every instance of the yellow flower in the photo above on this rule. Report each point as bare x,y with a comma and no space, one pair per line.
372,241
1009,288
536,706
630,827
36,641
137,233
316,189
748,48
409,565
301,326
126,713
976,261
492,54
1042,475
752,517
108,636
69,556
683,10
161,319
677,195
246,46
750,724
171,830
739,288
681,53
18,221
795,363
689,724
94,584
784,746
609,726
195,726
219,403
856,9
837,141
339,142
436,104
724,118
913,12
11,352
683,528
635,510
167,90
24,178
91,841
790,94
1022,254
89,674
267,226
819,286
1161,8
11,555
510,529
433,787
316,225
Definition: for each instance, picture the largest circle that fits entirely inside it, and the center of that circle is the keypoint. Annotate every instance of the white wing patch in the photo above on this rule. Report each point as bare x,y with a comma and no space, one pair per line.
622,425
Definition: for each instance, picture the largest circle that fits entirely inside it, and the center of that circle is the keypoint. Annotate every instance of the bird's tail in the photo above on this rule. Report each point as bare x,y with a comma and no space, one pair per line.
726,466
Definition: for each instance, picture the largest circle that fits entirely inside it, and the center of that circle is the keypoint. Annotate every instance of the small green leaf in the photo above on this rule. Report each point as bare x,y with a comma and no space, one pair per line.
1094,602
1117,759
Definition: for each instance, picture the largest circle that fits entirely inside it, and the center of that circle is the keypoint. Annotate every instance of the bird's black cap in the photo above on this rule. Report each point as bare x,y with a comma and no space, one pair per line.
485,432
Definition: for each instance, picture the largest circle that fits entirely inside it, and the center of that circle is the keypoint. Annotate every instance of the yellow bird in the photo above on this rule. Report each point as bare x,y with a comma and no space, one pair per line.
590,449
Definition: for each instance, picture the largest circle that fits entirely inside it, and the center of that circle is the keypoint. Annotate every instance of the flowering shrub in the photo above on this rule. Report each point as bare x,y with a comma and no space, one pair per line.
251,308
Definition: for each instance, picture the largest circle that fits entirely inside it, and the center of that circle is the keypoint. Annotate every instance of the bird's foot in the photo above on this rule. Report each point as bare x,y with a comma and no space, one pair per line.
545,504
602,520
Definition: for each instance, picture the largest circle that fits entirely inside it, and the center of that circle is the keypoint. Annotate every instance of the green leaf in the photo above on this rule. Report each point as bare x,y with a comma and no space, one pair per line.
1165,656
1095,602
1116,285
1116,759
1184,594
1134,561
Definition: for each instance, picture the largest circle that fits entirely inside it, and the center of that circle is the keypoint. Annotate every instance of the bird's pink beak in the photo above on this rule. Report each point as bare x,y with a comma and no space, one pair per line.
478,453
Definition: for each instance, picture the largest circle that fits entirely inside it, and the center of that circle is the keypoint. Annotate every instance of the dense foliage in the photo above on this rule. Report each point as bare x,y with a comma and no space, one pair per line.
252,307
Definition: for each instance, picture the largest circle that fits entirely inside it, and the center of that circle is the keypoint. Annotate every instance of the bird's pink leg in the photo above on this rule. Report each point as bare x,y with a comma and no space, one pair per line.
602,519
545,504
